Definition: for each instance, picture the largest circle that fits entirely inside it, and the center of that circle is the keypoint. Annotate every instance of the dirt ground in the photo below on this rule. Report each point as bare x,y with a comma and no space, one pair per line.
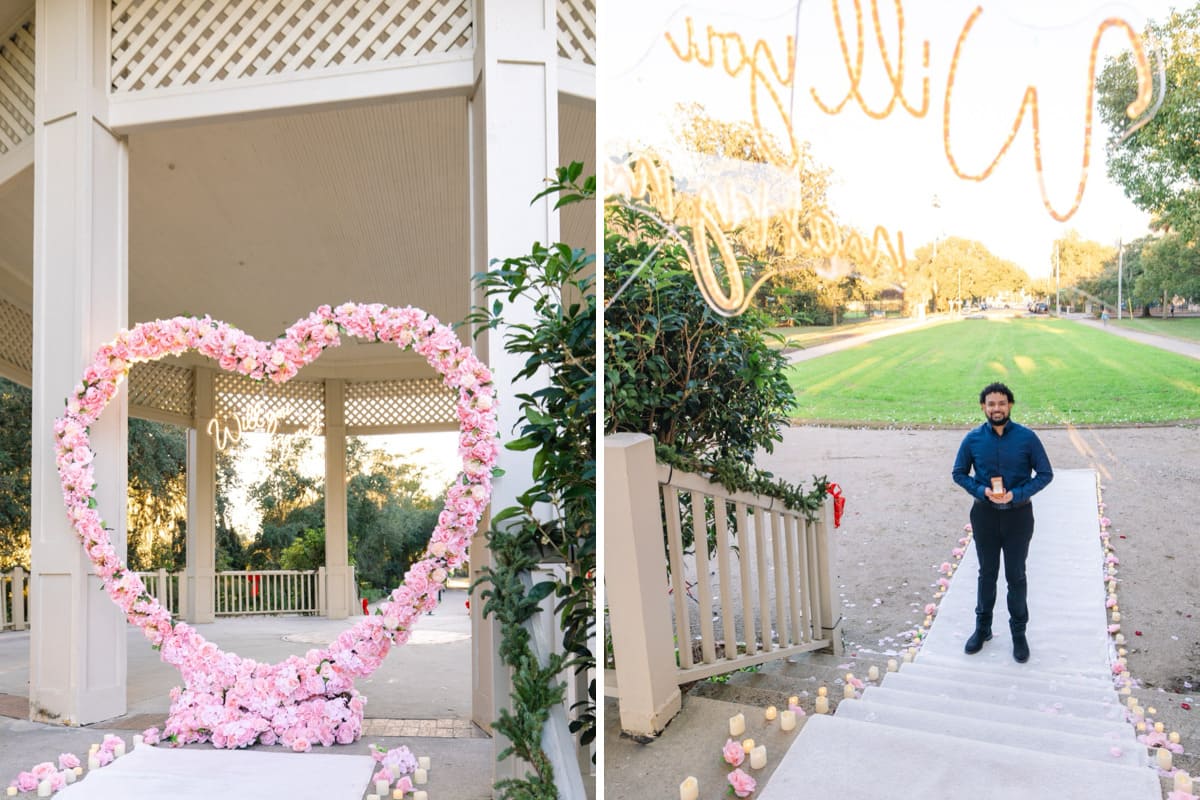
904,514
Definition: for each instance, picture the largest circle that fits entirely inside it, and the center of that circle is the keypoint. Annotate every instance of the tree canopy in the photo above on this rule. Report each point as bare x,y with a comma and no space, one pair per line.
1158,165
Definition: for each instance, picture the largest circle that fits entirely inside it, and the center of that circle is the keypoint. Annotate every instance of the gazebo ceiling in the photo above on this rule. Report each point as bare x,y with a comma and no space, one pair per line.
258,221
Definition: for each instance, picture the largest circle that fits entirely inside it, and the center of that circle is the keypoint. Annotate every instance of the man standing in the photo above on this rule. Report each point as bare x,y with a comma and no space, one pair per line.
1010,466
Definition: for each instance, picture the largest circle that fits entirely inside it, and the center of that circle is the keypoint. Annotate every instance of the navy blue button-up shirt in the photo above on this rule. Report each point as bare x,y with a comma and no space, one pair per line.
1018,457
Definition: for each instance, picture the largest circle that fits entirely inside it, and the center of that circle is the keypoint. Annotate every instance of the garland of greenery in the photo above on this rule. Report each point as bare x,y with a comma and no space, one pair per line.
560,427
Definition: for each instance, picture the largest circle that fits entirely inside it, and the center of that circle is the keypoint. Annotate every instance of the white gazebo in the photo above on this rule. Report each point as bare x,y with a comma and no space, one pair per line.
252,160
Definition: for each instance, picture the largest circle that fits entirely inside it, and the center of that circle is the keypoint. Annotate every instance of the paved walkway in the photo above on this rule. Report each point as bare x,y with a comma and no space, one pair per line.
1181,346
420,697
854,339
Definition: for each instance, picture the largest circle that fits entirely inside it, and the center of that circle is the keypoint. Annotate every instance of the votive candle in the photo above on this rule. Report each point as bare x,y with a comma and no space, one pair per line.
68,775
737,724
873,673
78,771
1158,726
93,761
787,720
1173,737
822,692
893,665
138,740
423,762
1163,757
822,705
1183,782
793,700
689,789
771,713
397,794
747,746
848,692
421,795
1116,616
11,791
95,748
420,776
383,788
119,748
758,757
373,796
43,789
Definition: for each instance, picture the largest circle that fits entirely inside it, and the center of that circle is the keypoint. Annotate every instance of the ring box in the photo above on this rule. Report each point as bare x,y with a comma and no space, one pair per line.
997,485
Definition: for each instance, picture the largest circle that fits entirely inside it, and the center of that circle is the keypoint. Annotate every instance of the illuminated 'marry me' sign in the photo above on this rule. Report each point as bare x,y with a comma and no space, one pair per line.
647,177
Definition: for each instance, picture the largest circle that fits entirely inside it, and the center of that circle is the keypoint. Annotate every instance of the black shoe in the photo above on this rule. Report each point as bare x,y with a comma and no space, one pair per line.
975,643
1020,648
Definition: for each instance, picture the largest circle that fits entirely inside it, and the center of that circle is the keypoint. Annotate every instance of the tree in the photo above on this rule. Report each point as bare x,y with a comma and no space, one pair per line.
157,496
16,413
1104,286
291,501
1158,165
1078,260
1170,267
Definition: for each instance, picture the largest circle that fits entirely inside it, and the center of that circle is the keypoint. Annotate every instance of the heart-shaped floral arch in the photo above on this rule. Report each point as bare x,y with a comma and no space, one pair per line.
234,701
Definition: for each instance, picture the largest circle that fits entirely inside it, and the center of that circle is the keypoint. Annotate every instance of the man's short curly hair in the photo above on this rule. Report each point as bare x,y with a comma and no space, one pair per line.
996,388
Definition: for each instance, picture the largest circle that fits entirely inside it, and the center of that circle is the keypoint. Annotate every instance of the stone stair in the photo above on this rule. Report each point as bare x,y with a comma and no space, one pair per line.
952,725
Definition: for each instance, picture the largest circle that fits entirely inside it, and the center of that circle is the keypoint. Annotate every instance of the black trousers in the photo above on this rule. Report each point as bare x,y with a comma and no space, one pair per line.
1004,532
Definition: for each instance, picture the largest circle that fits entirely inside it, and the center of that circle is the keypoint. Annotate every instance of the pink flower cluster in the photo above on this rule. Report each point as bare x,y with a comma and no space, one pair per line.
395,766
45,771
305,700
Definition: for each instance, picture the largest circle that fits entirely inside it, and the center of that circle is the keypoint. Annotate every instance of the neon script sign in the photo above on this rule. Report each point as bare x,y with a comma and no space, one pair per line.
814,232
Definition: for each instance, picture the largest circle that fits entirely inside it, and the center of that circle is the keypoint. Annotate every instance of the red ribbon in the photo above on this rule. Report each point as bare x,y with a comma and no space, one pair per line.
839,503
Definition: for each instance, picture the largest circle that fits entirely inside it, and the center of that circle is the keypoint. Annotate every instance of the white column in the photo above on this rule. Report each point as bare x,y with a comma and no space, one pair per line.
77,669
514,148
202,504
339,592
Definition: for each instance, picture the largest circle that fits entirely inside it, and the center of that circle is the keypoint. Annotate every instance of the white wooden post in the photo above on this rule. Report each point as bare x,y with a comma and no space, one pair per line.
337,537
18,588
77,669
514,148
202,504
831,624
635,586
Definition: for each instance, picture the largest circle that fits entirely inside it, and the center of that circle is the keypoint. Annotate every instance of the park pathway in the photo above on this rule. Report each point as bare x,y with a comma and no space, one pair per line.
983,726
1181,346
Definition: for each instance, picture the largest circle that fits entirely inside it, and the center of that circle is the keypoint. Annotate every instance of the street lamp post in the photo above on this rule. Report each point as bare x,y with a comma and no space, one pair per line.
1057,288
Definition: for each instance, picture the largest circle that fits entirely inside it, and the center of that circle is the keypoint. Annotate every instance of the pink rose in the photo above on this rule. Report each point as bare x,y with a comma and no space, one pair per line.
743,785
733,753
68,761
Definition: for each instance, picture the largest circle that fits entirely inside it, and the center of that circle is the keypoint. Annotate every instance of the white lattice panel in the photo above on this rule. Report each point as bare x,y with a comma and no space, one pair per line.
158,44
16,337
423,403
294,406
16,86
577,30
163,387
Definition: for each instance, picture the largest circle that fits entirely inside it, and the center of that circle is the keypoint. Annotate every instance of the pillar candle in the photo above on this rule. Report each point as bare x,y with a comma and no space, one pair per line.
372,796
747,746
1125,690
787,720
848,692
421,795
771,713
1116,617
737,724
689,789
119,749
1183,782
423,762
758,757
1163,758
93,761
420,776
893,665
873,673
928,620
138,740
68,775
1130,702
11,791
1119,638
383,788
43,789
822,705
907,657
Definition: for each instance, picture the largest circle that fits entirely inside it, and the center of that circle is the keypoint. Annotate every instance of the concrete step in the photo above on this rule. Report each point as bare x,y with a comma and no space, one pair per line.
1089,747
836,758
1009,668
1037,683
1003,696
1117,730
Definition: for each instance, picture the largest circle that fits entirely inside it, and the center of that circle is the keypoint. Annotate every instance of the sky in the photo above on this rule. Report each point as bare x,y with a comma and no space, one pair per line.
888,171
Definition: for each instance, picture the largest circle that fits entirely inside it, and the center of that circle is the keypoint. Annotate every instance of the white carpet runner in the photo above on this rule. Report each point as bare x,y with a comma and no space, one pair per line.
983,726
210,774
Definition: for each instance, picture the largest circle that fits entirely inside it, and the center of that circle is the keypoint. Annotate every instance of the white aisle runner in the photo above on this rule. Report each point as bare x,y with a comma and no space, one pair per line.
951,725
211,774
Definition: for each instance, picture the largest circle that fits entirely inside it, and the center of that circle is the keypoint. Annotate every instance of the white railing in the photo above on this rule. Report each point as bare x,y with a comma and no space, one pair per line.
14,600
772,596
167,587
278,591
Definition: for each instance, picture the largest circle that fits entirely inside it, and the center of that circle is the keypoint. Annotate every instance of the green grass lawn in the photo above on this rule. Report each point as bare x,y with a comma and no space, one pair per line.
1178,327
1061,372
